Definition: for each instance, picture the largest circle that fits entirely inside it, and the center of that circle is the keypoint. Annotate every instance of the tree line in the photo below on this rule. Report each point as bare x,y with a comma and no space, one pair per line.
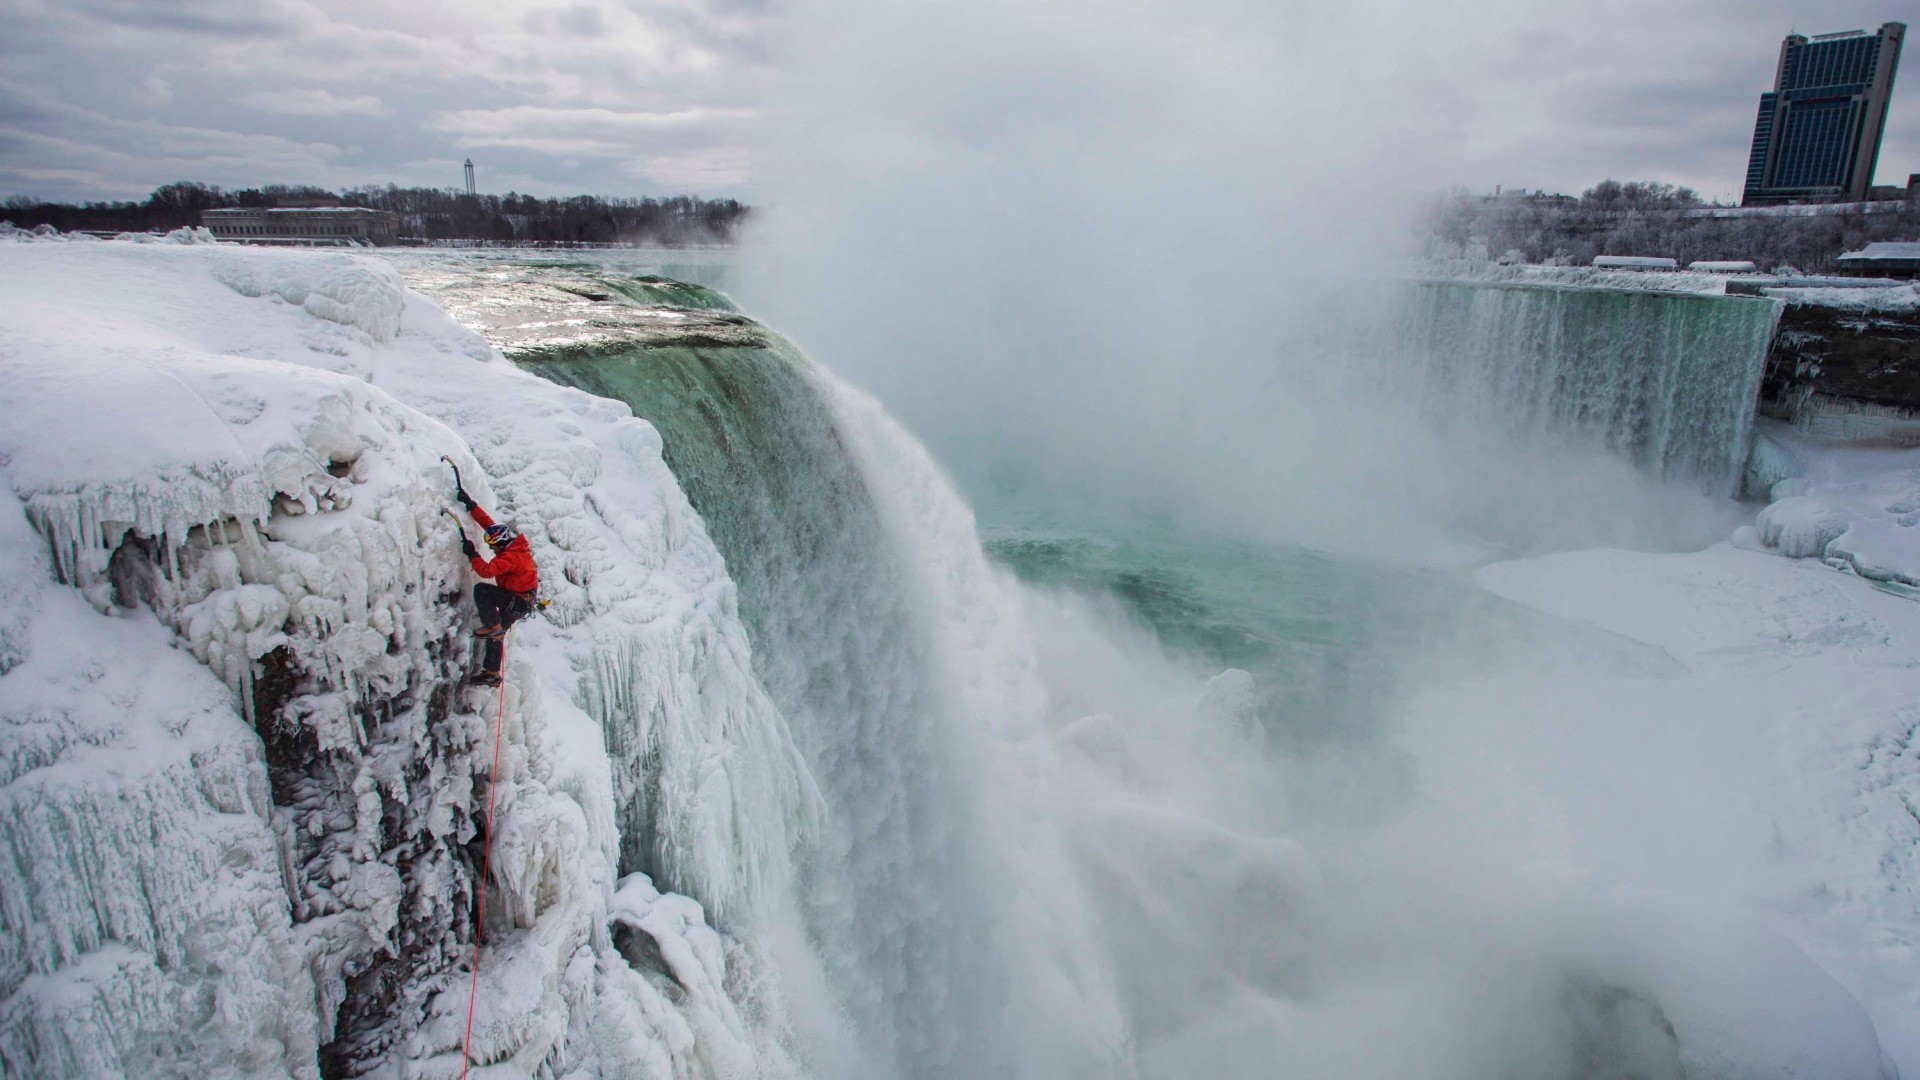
423,213
1650,218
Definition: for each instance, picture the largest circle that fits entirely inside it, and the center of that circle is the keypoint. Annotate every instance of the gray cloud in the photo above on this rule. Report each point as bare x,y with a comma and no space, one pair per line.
548,98
222,18
622,96
580,20
314,101
1645,90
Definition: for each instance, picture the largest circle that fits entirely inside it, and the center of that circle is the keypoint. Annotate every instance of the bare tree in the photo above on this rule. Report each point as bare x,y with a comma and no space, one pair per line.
1651,218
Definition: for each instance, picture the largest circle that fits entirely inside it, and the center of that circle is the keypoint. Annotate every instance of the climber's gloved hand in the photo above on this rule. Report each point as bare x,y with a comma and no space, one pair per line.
466,547
466,500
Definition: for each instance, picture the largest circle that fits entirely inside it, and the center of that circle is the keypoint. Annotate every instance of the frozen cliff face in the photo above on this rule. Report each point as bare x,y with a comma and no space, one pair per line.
269,830
145,928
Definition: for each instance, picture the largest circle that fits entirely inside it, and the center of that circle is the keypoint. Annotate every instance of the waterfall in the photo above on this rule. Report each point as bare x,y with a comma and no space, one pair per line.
1666,380
796,781
884,637
758,453
994,891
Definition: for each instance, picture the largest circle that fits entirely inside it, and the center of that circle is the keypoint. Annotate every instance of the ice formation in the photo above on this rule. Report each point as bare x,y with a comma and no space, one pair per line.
145,926
267,829
1857,507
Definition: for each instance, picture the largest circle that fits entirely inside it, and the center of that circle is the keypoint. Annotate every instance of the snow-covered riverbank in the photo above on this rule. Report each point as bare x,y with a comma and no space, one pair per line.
1773,770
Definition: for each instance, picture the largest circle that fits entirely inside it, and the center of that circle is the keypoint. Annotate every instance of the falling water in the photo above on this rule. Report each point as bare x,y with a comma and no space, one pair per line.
1666,380
892,898
949,912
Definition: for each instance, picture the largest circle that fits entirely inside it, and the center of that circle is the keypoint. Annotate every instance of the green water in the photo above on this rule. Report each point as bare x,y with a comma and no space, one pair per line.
652,290
1336,645
755,449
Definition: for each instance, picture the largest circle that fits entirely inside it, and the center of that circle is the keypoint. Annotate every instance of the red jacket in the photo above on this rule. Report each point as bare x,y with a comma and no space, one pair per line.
513,566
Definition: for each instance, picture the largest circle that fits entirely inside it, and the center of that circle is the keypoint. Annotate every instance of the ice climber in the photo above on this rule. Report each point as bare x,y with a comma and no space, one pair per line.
514,596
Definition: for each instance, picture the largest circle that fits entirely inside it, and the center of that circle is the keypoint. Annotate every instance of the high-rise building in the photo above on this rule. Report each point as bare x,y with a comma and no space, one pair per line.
1818,133
470,189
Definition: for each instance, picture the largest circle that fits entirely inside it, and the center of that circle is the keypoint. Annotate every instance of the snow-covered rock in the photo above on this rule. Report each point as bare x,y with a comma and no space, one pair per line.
1857,506
11,233
274,825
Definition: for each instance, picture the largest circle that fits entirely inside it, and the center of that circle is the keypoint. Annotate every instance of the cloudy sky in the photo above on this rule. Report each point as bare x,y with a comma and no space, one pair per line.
110,98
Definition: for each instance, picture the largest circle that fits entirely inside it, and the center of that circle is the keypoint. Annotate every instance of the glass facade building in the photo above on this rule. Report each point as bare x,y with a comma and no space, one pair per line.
1817,135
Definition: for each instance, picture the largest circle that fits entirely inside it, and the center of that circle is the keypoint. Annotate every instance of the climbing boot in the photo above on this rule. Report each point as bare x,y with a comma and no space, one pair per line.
493,650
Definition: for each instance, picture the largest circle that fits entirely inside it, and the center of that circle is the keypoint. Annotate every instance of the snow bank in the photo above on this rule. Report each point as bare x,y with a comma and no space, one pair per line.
11,233
1485,271
1865,300
1734,818
1857,507
186,234
238,451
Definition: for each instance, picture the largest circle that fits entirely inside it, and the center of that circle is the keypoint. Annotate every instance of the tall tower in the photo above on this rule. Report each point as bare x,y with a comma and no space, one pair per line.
470,188
1818,132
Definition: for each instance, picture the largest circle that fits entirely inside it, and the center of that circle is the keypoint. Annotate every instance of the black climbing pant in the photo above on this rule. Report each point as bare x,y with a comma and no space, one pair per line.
499,609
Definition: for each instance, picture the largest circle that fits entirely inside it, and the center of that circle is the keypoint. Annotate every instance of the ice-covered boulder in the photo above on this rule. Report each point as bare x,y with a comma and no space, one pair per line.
1801,526
336,287
1856,506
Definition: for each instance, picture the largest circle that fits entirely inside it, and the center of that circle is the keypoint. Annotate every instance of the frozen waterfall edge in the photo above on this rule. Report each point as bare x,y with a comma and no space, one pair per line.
260,533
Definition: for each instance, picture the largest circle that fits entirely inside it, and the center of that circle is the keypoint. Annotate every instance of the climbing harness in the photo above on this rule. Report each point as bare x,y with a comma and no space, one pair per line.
486,859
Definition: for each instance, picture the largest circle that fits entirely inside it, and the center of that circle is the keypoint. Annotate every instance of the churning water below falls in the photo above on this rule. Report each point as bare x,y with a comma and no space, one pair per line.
1131,800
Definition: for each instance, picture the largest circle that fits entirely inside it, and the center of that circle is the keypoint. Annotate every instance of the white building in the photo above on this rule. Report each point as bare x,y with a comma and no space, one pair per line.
1887,259
345,226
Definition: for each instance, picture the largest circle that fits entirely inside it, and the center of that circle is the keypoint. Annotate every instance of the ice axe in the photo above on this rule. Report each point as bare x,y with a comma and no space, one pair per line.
457,482
460,530
459,485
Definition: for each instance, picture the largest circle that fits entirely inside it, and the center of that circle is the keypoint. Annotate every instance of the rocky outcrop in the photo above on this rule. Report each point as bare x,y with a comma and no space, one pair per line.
1847,367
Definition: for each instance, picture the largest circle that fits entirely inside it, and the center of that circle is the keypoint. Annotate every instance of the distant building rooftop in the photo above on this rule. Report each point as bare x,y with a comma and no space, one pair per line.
1889,258
1634,262
1708,266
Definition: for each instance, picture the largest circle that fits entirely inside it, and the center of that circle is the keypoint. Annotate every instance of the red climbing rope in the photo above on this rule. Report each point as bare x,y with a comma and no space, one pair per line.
480,917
